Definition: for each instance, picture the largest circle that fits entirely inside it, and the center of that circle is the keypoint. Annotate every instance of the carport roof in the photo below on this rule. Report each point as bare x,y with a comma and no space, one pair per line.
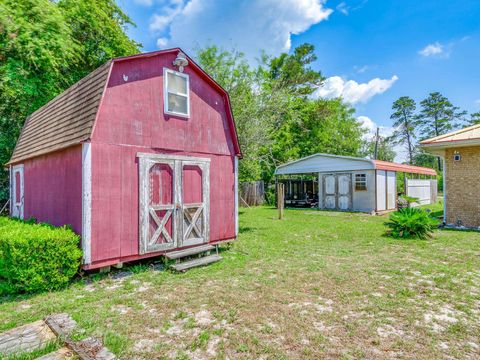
327,162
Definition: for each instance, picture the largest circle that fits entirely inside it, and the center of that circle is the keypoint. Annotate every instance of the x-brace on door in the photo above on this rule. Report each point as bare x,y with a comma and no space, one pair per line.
174,201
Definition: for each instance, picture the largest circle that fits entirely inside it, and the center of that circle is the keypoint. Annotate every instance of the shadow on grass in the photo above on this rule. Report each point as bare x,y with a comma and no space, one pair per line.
246,229
468,230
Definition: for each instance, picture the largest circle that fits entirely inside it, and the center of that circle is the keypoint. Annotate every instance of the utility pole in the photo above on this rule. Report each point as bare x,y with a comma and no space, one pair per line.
377,138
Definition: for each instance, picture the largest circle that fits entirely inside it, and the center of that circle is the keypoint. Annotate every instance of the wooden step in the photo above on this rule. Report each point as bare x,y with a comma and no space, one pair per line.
196,262
189,252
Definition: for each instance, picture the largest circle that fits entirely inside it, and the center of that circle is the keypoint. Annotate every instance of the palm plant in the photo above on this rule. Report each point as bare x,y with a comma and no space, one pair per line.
410,223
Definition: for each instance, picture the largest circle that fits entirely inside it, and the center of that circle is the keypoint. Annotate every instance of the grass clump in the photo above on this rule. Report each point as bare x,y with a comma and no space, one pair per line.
36,257
410,223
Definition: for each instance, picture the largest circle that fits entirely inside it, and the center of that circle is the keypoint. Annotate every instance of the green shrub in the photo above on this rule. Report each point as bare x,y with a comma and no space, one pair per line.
36,257
411,223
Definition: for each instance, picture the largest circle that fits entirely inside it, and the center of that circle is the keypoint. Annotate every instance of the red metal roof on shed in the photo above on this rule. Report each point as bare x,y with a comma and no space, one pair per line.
386,165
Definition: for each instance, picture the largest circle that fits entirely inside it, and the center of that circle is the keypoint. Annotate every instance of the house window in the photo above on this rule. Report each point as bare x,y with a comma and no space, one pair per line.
176,97
360,182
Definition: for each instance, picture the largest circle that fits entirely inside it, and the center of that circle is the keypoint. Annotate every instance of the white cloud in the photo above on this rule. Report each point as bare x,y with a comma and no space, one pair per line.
477,102
144,2
367,124
353,92
162,43
435,49
361,69
343,8
248,26
371,126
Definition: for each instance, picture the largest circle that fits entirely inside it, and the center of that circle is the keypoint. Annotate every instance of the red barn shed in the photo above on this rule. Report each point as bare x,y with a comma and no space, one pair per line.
139,157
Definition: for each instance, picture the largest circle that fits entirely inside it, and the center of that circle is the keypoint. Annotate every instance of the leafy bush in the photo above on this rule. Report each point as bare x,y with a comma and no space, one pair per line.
36,257
411,223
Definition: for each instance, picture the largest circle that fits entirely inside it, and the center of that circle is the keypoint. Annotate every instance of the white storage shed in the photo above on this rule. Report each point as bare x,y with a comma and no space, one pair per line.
351,183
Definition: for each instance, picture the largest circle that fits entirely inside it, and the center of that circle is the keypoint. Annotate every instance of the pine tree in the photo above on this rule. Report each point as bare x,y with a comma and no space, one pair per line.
439,116
405,124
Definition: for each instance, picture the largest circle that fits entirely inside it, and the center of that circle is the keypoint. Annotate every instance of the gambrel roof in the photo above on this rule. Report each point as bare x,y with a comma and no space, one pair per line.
64,121
69,118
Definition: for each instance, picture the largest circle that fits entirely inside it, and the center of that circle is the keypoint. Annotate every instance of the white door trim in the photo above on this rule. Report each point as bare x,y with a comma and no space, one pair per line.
177,210
16,205
236,194
87,203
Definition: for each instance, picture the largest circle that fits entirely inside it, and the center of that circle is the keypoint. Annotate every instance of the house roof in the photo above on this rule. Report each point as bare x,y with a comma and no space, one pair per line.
64,121
327,162
464,137
69,118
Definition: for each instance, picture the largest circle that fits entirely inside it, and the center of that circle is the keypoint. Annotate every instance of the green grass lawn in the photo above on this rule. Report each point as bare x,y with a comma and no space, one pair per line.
314,285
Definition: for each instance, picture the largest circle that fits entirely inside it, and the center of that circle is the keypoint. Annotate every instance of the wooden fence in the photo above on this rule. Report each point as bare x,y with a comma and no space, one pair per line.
251,193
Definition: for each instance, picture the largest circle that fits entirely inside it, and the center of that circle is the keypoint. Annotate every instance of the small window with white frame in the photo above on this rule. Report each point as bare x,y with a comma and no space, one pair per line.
176,93
360,182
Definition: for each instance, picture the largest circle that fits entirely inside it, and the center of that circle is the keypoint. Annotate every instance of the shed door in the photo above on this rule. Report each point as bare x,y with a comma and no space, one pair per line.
391,190
344,191
195,202
381,190
174,202
158,200
330,191
17,192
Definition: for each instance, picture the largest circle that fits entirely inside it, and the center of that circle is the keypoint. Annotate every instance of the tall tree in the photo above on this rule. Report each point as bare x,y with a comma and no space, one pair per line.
293,71
439,116
232,71
475,118
46,46
277,118
405,124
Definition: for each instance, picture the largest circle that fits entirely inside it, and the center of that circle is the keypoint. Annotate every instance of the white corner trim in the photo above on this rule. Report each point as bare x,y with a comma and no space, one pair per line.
444,189
236,194
10,209
87,203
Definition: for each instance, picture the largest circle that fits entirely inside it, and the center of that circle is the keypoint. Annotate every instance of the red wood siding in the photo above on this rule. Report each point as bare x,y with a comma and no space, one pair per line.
53,188
131,120
115,219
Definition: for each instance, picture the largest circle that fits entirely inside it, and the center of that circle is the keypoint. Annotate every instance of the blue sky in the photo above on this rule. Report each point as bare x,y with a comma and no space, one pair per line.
371,51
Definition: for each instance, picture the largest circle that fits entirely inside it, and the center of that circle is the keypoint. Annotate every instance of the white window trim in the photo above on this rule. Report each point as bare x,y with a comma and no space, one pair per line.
166,92
363,180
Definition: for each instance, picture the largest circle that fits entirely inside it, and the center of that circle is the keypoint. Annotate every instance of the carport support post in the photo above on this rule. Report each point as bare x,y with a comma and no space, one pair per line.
280,199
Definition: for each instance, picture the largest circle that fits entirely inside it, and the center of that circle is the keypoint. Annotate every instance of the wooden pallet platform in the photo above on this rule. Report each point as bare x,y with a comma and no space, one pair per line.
183,266
54,328
189,252
61,354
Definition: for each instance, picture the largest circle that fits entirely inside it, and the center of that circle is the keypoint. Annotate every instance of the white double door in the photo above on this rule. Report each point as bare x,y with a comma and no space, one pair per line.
386,190
337,191
174,201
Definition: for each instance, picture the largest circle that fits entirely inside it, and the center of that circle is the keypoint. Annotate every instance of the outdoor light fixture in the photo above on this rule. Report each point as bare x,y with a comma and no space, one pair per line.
180,61
457,156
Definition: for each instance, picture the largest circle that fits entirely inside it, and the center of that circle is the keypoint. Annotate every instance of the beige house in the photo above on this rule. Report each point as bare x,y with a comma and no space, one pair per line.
460,151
